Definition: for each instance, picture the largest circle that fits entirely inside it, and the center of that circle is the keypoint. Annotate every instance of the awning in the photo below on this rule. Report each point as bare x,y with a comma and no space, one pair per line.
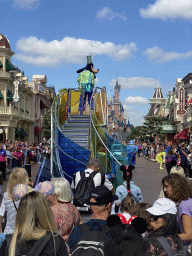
23,133
190,102
1,95
10,66
1,65
38,129
9,95
42,104
183,135
17,133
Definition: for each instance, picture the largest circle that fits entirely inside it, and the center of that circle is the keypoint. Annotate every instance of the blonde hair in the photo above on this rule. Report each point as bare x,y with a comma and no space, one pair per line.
34,218
62,189
127,204
178,169
18,176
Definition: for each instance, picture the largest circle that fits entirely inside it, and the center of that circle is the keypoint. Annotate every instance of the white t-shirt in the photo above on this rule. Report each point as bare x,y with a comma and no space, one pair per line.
8,205
96,179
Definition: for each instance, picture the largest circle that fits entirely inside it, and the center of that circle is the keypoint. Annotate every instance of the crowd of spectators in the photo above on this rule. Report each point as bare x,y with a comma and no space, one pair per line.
20,154
168,155
44,219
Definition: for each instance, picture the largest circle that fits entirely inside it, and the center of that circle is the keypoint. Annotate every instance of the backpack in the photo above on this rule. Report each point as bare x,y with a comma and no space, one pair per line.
84,188
37,248
86,81
167,247
91,242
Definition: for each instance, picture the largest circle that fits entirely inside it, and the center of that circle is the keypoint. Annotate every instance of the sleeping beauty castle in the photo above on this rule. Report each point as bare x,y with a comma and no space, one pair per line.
117,118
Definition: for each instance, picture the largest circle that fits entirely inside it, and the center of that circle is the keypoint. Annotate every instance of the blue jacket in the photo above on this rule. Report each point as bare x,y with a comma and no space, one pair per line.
122,192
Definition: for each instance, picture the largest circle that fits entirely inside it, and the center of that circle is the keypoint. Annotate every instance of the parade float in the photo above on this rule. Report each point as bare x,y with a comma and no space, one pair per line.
79,132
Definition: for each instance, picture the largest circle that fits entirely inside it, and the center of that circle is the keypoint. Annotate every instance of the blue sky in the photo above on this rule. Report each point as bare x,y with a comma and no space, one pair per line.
140,40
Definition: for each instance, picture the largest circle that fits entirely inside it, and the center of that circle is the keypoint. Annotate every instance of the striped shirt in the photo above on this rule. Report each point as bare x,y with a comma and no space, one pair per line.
8,206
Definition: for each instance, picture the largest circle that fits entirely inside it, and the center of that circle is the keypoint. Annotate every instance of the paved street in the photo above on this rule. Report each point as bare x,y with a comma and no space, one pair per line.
148,176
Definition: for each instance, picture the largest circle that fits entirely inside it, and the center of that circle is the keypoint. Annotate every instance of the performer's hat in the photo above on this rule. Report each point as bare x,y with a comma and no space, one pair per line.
89,60
131,142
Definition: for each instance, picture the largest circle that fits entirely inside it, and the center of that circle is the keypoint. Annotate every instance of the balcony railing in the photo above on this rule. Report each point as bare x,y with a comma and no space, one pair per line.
15,112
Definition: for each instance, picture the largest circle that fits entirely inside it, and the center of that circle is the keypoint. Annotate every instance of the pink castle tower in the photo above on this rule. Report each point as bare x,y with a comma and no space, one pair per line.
116,101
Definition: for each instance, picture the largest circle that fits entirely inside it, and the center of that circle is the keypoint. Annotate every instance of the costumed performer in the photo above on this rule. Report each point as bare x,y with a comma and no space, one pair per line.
86,81
131,153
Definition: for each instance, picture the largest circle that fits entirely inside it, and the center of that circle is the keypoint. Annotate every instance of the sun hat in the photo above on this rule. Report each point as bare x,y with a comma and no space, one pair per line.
102,195
163,206
46,188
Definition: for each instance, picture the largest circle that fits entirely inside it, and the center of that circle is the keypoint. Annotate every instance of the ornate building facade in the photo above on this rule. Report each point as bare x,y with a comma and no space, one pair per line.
18,117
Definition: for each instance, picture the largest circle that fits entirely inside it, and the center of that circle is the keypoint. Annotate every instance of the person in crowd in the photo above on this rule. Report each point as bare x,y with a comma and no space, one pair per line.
179,190
189,166
65,213
126,209
3,161
140,211
139,149
160,158
164,224
35,229
184,152
101,205
17,158
128,187
9,158
170,160
124,240
152,157
175,169
131,152
9,203
38,154
94,165
1,181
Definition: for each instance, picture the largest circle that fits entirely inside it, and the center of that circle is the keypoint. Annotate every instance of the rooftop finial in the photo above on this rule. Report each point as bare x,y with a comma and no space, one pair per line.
158,82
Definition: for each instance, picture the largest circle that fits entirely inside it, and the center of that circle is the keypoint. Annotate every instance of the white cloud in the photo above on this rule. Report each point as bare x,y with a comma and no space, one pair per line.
136,82
107,13
164,9
136,100
160,55
135,115
26,4
69,50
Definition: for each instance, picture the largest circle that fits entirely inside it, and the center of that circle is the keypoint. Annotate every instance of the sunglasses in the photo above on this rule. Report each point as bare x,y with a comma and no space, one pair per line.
154,217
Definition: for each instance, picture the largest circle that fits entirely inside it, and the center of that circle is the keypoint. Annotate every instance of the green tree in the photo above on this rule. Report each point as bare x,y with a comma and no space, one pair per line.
137,132
46,126
152,127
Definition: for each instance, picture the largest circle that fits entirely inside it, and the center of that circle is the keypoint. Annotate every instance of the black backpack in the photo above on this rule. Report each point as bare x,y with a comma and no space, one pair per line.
91,242
84,188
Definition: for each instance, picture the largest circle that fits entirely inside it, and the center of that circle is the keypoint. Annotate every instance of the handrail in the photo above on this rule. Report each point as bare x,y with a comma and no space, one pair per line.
66,137
101,127
57,127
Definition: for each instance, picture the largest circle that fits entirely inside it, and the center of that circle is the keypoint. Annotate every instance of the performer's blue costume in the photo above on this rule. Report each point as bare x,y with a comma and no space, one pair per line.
131,153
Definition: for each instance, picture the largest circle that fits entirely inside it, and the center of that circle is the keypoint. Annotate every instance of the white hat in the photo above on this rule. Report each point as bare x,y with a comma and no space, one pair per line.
163,206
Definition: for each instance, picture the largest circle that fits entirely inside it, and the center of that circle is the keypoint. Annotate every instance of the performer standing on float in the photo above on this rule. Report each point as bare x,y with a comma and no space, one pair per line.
131,153
86,82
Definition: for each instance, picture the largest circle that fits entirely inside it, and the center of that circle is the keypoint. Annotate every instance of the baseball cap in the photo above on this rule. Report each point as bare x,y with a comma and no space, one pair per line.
163,206
102,195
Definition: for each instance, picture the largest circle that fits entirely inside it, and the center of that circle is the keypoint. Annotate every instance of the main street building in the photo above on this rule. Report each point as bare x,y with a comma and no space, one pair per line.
21,114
